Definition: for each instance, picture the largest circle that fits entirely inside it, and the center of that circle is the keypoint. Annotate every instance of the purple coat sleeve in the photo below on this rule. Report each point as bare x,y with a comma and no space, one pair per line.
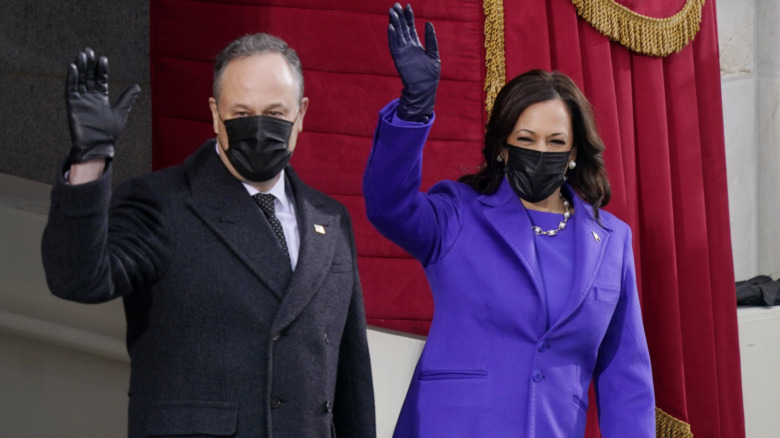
420,223
623,379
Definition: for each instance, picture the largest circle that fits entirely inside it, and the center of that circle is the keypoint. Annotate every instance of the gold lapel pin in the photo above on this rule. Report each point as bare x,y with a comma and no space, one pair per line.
319,228
596,236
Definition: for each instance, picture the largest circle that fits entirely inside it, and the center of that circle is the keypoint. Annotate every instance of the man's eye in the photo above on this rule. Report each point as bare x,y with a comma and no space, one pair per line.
275,113
242,114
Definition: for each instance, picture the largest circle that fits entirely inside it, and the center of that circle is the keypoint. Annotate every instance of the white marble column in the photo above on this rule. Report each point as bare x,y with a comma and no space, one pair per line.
768,104
736,37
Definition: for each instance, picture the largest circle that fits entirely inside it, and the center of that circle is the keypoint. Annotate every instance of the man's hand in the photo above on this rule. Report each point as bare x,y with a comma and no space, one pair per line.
94,125
418,67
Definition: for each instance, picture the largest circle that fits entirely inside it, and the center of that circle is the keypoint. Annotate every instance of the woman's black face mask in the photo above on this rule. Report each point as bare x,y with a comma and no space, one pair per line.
535,175
258,146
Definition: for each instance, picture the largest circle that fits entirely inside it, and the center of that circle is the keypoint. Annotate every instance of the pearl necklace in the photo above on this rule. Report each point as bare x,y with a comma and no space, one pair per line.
562,225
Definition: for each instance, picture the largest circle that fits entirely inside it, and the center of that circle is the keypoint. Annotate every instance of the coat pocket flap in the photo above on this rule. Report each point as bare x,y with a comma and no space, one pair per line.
341,266
190,417
452,374
607,294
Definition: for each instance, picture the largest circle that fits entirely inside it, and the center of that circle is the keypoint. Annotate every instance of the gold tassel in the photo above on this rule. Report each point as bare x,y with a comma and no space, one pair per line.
640,33
667,426
495,75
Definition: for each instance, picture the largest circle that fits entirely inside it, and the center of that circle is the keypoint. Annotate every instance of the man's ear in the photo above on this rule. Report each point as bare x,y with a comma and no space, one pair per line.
302,112
214,114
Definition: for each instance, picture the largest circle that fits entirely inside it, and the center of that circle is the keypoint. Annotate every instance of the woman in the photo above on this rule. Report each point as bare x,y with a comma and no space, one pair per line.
533,285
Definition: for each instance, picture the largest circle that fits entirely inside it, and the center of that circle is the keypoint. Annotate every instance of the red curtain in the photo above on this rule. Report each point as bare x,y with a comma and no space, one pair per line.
660,118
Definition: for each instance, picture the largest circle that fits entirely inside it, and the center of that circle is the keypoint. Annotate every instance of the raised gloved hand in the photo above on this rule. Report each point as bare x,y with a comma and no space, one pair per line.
95,126
418,67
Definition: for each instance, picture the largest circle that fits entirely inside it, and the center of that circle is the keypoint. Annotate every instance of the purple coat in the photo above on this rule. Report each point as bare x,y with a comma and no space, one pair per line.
493,366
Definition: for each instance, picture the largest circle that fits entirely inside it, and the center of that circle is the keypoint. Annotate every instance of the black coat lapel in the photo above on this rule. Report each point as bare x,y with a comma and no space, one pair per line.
318,230
223,203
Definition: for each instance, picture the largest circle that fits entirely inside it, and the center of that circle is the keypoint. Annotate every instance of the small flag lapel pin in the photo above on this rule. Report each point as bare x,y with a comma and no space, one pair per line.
319,228
596,236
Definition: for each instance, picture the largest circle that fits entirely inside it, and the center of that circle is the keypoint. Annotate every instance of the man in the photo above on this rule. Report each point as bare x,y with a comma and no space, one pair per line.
244,316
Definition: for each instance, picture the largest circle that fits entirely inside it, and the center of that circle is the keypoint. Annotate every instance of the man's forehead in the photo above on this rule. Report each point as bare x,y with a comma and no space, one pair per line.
245,105
266,72
270,63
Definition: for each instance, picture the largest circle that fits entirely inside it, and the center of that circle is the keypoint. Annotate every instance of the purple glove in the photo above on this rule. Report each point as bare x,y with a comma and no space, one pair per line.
418,67
94,125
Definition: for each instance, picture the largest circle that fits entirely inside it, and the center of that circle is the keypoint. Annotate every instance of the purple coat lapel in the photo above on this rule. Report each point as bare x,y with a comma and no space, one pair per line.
591,242
507,215
510,220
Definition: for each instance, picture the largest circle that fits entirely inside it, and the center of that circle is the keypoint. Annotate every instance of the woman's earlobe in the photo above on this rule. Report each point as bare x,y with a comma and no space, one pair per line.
502,156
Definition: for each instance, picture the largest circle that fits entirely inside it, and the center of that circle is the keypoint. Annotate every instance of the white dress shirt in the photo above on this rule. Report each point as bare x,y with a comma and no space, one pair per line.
285,212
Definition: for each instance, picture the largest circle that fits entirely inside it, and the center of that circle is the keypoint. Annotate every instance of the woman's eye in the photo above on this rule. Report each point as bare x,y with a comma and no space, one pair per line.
526,139
558,142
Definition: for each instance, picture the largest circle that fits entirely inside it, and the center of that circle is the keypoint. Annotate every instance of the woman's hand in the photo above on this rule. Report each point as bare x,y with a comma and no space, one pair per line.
418,67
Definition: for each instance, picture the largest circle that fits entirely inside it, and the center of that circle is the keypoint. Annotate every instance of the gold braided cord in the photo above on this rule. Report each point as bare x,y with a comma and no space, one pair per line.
667,426
640,33
495,76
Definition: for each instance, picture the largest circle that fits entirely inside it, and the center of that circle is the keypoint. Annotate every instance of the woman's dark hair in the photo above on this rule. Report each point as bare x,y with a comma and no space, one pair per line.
588,178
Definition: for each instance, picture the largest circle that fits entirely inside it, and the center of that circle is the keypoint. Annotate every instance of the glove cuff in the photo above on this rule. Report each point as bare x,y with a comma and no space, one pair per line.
104,150
416,107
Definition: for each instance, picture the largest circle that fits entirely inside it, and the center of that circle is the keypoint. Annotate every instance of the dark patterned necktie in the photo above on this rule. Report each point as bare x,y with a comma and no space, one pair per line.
266,203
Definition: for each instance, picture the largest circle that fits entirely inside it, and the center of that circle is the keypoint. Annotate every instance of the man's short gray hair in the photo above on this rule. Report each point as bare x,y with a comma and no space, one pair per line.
256,44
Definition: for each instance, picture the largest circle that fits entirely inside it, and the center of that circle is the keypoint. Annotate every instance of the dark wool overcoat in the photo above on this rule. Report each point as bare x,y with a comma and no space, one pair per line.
224,340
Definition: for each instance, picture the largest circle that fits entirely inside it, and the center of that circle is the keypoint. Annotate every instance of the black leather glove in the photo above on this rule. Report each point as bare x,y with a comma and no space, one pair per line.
418,67
94,125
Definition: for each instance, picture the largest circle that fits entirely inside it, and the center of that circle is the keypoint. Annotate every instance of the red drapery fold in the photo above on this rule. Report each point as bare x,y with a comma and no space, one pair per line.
659,117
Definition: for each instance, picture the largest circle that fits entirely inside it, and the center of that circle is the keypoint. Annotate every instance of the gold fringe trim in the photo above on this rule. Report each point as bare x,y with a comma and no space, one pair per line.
667,426
495,76
640,33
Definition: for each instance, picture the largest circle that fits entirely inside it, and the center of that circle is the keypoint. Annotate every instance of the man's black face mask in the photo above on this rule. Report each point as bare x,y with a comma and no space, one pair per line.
258,146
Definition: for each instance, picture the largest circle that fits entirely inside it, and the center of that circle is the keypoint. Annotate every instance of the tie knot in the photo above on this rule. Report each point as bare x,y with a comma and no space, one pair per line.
266,203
